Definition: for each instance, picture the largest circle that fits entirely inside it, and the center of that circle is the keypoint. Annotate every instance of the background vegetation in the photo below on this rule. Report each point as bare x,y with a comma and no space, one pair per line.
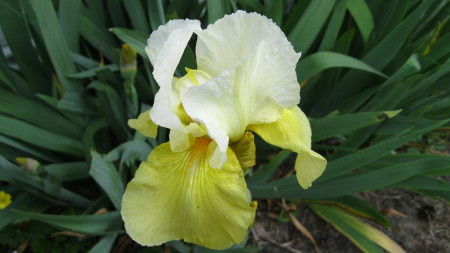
375,79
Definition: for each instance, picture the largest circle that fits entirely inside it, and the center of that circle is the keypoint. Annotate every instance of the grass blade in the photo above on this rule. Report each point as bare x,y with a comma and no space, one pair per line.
309,25
39,137
216,9
156,14
321,61
363,17
88,224
69,13
106,175
362,235
56,44
138,18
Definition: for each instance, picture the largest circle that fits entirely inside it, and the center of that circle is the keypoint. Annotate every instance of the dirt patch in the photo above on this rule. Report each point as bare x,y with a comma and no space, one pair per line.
425,229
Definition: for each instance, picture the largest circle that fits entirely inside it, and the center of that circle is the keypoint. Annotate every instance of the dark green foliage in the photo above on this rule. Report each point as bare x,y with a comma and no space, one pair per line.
375,78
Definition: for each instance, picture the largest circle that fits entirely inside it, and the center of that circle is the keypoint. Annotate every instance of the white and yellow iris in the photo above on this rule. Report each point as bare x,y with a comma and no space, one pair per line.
193,187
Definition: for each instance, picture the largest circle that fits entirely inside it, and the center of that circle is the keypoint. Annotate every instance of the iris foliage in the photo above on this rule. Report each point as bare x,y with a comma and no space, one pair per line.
374,76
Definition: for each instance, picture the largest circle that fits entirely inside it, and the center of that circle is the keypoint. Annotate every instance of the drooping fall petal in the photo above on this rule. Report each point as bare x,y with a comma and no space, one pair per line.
293,132
179,196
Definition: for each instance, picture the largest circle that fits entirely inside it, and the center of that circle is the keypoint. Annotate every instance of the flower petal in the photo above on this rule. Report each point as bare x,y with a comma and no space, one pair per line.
165,48
233,37
245,151
178,196
180,140
253,92
293,132
144,125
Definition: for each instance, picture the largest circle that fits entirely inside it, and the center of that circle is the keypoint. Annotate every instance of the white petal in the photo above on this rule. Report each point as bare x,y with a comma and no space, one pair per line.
165,48
233,37
164,107
255,91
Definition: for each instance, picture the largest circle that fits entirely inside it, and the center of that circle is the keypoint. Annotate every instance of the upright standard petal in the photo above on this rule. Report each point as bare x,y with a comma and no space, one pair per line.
178,196
255,91
165,48
233,37
293,132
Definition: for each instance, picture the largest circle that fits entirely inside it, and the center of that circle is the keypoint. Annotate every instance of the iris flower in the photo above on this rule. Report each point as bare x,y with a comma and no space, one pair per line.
193,187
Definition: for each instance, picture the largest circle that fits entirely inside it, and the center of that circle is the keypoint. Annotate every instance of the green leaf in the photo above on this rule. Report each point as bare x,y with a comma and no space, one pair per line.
69,17
266,171
275,11
443,195
371,153
378,57
104,245
216,9
309,25
324,187
42,187
388,47
251,5
394,14
106,175
424,183
346,123
88,224
358,207
362,235
116,12
334,25
376,179
25,201
39,137
17,34
113,106
89,140
25,149
56,44
320,61
92,72
135,39
363,17
76,103
68,171
98,37
129,152
155,13
33,112
138,20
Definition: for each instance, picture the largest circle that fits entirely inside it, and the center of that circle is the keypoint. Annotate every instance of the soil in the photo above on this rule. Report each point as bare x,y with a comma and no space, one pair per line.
425,228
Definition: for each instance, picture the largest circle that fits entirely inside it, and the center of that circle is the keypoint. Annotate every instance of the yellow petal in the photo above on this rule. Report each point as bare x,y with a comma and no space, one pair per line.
293,132
309,165
196,129
180,140
5,200
179,196
144,125
245,151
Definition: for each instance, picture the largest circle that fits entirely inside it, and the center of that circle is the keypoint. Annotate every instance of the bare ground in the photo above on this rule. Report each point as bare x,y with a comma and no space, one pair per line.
425,229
